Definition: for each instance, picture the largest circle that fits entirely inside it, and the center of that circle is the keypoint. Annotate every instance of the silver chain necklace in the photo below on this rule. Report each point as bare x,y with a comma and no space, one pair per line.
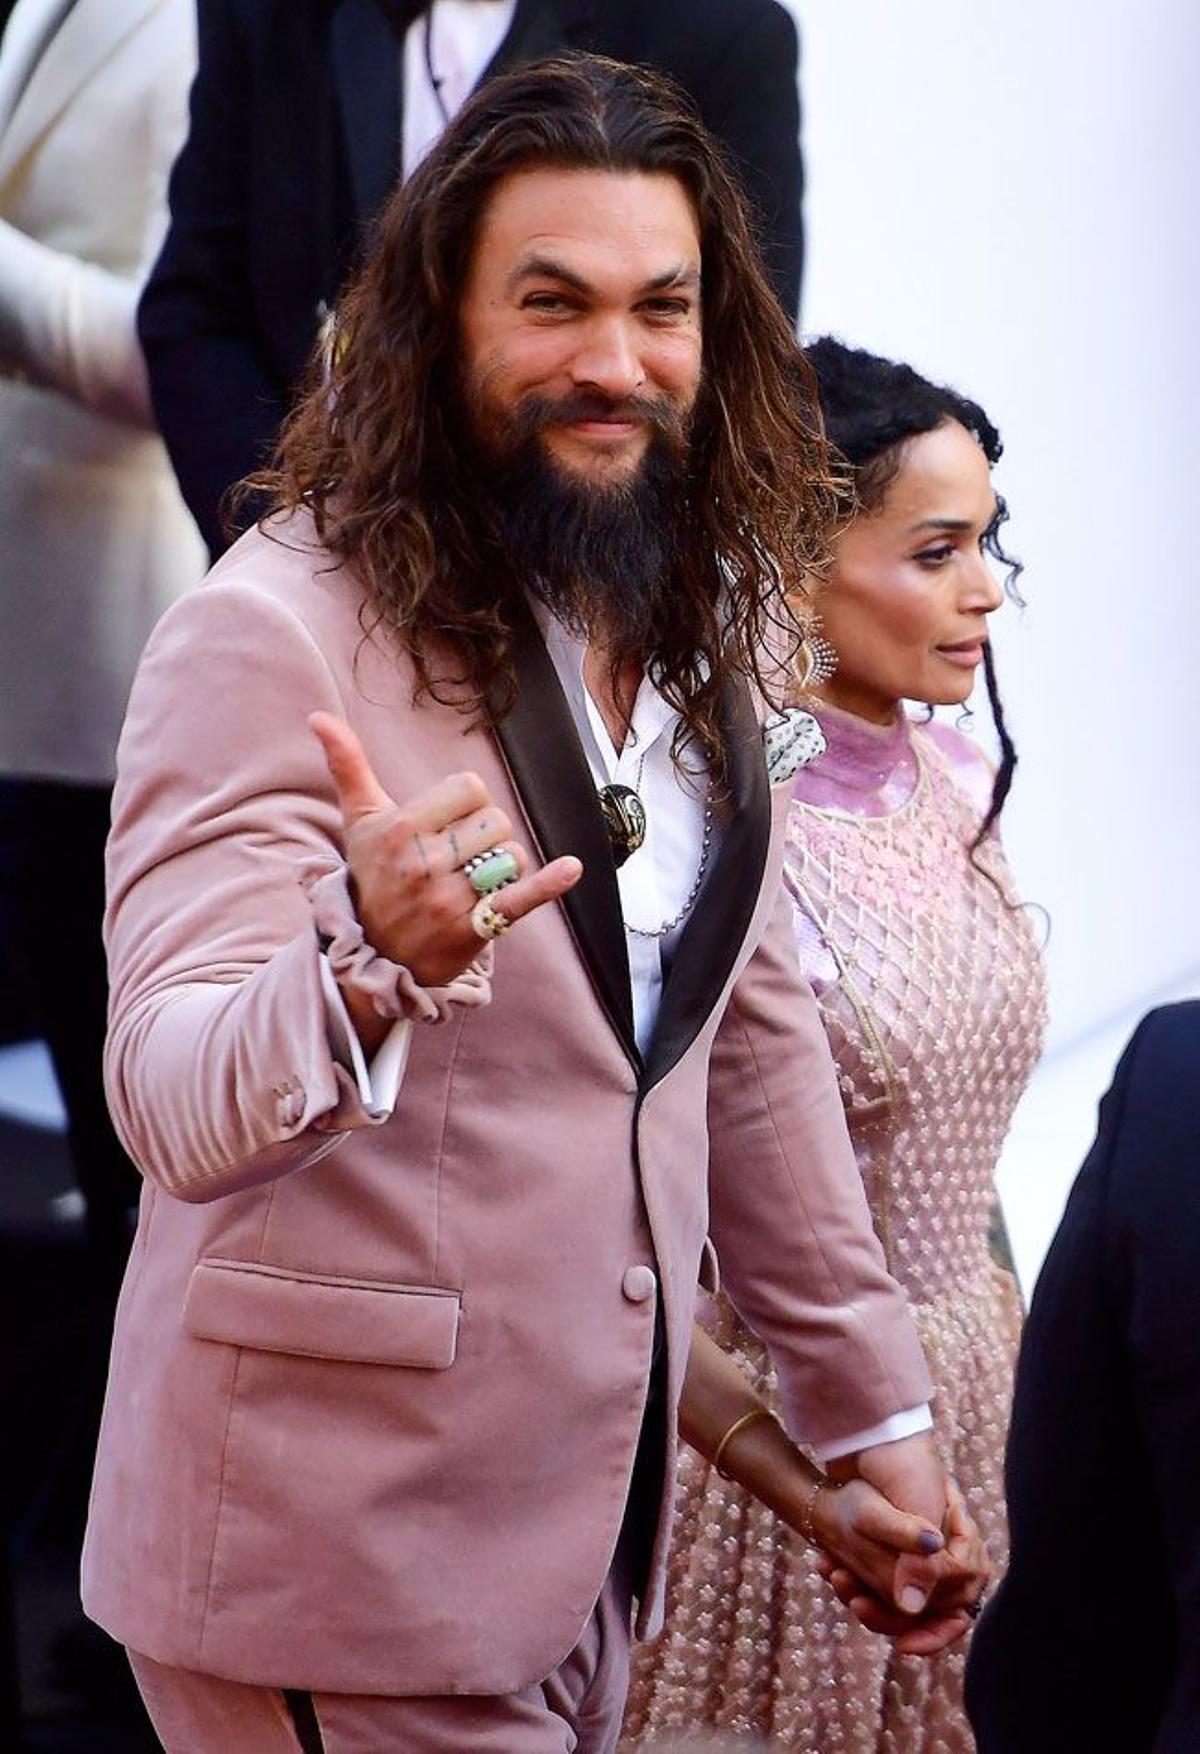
666,927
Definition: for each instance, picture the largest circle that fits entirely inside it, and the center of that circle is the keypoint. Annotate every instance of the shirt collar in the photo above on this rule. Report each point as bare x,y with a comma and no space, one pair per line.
652,714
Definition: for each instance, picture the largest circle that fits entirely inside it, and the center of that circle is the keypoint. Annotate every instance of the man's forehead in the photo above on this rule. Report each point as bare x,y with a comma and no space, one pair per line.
546,214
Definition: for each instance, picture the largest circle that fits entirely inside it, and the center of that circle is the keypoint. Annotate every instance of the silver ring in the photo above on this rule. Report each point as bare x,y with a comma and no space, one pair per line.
489,924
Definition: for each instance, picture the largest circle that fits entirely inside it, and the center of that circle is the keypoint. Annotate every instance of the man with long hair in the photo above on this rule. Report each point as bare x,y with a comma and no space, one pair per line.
454,998
304,115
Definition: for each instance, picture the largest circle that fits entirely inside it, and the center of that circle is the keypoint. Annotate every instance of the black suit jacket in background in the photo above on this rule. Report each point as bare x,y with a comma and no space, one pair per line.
1092,1644
294,145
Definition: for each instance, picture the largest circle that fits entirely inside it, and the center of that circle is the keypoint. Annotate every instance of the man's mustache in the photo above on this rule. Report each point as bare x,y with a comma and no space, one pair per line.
535,413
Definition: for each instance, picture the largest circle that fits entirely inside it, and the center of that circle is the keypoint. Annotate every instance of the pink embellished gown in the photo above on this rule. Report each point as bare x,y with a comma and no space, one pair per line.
932,990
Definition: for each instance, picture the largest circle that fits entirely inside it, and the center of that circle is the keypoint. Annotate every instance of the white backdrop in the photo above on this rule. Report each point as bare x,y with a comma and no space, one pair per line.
1006,197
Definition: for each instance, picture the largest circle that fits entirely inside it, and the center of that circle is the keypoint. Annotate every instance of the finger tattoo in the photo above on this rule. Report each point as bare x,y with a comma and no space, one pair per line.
419,844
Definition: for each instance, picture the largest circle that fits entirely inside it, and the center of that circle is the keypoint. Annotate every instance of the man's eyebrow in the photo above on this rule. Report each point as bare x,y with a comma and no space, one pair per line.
546,268
684,276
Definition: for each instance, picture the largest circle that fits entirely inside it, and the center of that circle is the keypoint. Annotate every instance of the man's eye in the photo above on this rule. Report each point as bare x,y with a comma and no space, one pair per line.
666,307
544,301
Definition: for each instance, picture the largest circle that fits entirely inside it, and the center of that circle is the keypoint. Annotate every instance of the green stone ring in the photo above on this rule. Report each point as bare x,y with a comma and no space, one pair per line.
490,871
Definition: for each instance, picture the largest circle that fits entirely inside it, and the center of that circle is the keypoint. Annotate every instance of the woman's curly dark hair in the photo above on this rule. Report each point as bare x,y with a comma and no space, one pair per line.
872,407
372,449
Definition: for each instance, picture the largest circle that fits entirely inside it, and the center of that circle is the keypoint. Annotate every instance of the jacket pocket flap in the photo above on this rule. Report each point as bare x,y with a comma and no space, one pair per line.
243,1303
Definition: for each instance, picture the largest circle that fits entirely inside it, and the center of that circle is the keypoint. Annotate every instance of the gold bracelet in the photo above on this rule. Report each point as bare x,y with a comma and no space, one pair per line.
807,1528
731,1433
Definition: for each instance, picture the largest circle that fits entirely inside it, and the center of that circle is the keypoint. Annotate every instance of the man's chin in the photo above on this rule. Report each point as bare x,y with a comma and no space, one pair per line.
585,462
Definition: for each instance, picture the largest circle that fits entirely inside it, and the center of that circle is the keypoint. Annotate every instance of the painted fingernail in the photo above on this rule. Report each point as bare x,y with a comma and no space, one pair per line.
912,1600
929,1541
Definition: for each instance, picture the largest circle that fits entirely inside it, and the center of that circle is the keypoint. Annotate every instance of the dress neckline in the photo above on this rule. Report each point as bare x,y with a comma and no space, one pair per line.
867,770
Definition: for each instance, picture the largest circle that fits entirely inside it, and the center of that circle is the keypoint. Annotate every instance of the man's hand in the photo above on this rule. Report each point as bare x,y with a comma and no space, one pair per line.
414,901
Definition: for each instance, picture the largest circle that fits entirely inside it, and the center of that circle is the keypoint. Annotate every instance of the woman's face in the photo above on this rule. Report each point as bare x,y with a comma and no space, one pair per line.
910,589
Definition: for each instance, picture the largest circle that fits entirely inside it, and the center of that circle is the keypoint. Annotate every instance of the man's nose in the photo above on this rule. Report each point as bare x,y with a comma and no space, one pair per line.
608,359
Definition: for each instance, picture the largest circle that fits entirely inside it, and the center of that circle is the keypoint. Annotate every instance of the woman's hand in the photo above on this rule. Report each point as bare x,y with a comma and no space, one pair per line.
876,1552
863,1534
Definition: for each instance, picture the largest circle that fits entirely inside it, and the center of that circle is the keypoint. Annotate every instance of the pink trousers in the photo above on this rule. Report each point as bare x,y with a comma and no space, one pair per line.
575,1710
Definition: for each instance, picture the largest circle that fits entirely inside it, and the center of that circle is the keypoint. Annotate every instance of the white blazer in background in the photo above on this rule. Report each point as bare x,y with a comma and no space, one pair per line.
95,541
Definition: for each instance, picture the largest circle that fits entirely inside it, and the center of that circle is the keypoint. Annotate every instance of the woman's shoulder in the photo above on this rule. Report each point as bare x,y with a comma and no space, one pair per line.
970,767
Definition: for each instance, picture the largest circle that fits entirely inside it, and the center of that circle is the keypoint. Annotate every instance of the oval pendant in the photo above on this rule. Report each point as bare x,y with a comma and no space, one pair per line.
625,818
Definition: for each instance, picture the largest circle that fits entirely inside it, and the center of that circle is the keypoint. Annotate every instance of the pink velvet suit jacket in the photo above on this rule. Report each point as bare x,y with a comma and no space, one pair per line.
376,1388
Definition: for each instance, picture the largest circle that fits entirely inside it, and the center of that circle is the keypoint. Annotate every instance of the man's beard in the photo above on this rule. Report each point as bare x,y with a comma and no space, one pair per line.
601,556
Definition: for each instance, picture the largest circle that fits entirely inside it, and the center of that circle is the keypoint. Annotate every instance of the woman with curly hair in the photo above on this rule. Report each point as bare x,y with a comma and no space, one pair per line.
932,992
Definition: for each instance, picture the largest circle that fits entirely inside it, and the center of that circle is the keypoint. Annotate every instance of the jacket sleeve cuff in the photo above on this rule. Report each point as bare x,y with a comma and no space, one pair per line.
389,987
903,1424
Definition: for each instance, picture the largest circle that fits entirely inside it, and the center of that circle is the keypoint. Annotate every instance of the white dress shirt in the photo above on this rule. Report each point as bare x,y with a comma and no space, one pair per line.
451,43
656,882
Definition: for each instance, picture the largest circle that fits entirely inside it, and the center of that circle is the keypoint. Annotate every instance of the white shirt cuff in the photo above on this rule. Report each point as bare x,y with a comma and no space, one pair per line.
904,1424
378,1083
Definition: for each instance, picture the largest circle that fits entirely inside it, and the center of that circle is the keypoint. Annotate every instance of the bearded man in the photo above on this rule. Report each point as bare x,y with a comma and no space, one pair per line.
390,1426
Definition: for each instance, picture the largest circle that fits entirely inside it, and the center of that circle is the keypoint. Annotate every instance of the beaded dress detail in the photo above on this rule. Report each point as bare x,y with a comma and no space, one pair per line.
932,991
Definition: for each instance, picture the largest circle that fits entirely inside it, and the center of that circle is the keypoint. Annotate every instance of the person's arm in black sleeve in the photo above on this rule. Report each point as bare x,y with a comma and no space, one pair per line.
1077,1602
750,98
216,401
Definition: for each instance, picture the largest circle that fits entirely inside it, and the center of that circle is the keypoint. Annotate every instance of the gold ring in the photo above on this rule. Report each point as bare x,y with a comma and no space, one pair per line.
488,923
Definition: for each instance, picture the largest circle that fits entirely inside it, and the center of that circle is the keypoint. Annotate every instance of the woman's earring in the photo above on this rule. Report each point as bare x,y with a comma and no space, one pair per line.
816,660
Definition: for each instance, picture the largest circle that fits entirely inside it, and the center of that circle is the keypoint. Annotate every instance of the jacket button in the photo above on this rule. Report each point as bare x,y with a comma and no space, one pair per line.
291,1108
639,1283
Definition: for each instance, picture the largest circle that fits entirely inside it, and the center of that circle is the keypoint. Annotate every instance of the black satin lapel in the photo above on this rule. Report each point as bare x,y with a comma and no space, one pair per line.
550,771
713,936
366,70
542,27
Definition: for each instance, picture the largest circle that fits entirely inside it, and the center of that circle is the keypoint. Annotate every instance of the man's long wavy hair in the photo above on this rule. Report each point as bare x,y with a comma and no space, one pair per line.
374,448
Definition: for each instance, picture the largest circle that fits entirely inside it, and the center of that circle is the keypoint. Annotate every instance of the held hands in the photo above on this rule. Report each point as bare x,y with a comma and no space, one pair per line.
901,1552
414,901
864,1538
931,1598
959,1572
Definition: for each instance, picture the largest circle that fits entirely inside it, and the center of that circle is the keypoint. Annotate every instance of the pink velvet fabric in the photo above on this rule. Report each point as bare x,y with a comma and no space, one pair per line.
288,1492
575,1710
390,987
